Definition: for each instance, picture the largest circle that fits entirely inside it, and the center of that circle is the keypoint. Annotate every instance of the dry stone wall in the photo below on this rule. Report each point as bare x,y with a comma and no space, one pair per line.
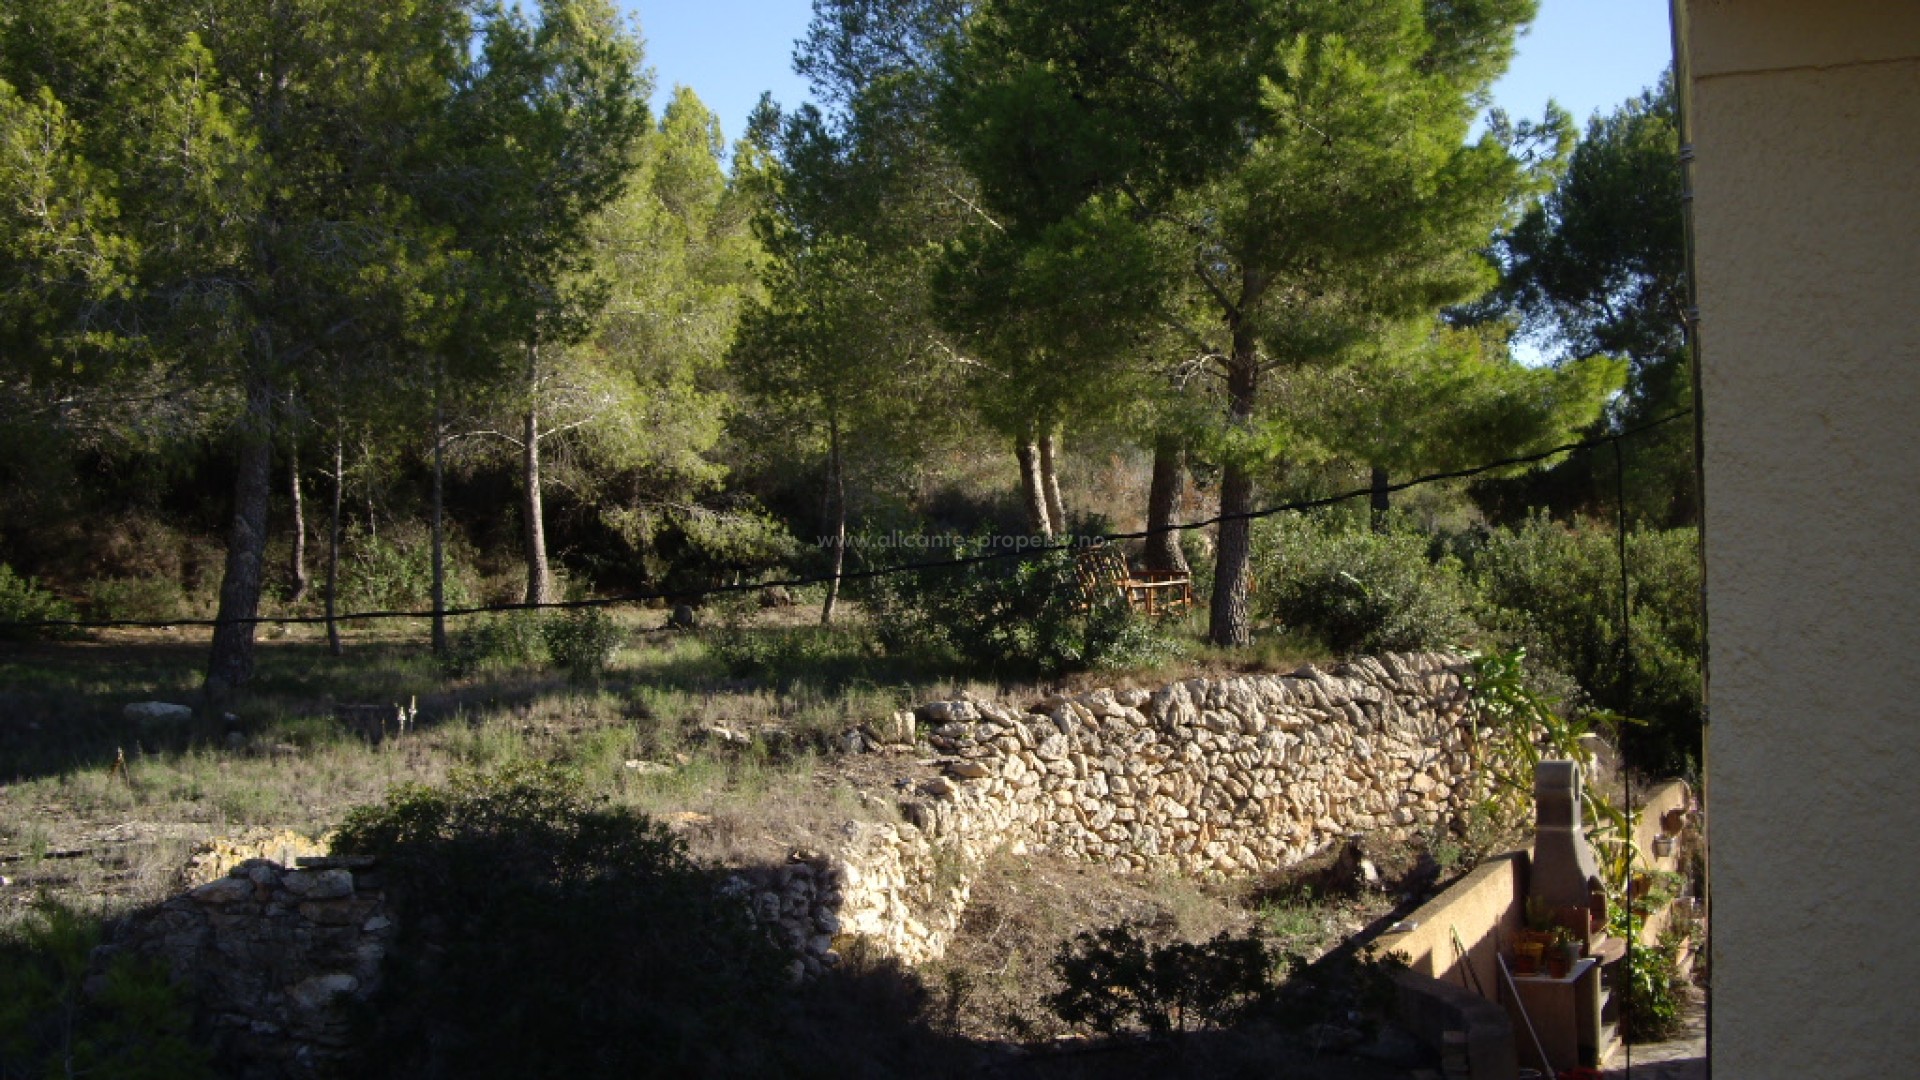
1215,777
1207,776
275,956
1224,776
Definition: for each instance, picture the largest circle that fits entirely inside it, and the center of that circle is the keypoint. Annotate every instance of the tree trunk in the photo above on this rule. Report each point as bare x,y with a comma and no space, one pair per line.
230,665
539,577
839,482
1229,624
1380,501
299,560
333,540
1163,554
439,585
1050,482
1034,488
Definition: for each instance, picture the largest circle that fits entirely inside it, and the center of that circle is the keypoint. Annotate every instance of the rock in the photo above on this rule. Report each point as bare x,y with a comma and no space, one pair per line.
725,736
1048,705
321,885
157,714
967,769
329,913
947,712
1333,1037
223,892
647,768
898,729
320,991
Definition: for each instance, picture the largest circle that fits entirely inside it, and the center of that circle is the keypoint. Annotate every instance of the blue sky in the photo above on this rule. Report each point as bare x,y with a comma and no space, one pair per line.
1586,54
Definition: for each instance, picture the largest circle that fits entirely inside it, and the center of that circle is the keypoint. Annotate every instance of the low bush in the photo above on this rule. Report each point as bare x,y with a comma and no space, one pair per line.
495,642
22,600
1114,976
1359,591
393,571
1555,591
582,642
818,655
1013,617
137,599
548,934
131,1024
1652,1007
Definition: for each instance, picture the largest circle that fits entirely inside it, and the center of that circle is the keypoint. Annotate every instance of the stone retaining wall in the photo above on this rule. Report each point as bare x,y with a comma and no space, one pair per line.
275,955
1214,777
1207,776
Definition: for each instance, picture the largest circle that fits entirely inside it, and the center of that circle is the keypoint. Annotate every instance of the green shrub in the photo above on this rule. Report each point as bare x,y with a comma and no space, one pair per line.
137,599
22,600
1651,1011
1358,591
1112,976
1013,617
582,642
494,642
818,655
1555,591
134,1024
393,571
546,934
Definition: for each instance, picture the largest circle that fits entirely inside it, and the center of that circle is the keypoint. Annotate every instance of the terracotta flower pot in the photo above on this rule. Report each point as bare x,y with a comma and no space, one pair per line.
1560,960
1526,957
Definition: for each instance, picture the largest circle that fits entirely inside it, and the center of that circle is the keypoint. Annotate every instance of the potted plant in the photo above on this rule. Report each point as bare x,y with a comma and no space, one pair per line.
1562,954
1531,943
1674,820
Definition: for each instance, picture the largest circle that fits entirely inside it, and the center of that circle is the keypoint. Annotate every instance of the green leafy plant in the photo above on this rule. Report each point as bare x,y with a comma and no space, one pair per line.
22,600
582,642
393,570
512,639
53,1022
1651,1011
549,934
1359,591
818,655
1554,592
1013,617
1115,975
1528,728
135,598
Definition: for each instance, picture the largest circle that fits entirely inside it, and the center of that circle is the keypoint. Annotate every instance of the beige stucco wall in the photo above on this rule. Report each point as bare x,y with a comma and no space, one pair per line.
1807,131
1483,908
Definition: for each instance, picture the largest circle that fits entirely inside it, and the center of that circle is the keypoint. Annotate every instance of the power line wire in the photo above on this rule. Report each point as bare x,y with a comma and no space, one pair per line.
1028,552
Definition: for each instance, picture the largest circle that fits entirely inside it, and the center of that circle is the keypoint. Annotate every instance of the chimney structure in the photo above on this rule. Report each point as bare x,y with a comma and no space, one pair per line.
1564,872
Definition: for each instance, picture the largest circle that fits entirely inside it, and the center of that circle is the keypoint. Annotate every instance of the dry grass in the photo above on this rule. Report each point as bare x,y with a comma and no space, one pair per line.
74,826
997,976
276,757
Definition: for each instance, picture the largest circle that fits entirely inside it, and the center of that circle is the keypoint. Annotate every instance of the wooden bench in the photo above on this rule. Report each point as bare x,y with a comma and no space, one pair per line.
1103,576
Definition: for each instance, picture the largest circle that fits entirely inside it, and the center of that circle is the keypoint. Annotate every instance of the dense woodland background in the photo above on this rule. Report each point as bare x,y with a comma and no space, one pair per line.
333,305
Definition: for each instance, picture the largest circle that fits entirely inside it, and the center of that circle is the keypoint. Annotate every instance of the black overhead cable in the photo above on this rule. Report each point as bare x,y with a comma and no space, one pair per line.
859,575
